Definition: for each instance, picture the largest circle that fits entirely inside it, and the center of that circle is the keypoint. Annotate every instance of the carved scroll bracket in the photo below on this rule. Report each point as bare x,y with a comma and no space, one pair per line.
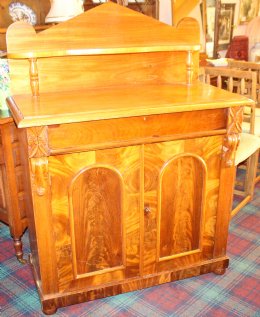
38,142
231,142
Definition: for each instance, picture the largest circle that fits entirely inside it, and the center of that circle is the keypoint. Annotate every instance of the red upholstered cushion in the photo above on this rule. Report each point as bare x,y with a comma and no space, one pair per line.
238,48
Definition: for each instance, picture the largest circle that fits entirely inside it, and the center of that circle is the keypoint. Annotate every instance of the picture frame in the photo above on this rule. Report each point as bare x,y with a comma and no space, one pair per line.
248,10
226,24
210,12
219,26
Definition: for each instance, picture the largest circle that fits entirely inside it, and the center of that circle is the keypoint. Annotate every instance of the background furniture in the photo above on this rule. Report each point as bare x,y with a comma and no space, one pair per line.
244,83
147,7
238,48
255,67
128,158
40,7
250,66
12,202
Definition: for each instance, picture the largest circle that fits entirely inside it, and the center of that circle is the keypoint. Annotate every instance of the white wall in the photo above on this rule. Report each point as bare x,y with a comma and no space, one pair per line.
165,11
196,14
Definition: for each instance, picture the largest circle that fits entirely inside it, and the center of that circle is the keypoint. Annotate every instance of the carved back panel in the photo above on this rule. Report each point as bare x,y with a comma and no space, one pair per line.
134,49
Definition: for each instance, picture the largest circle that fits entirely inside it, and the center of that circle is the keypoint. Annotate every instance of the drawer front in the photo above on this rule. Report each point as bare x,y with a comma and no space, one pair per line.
135,130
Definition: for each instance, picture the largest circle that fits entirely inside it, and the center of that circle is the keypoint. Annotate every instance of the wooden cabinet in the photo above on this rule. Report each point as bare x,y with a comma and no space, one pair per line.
12,203
128,158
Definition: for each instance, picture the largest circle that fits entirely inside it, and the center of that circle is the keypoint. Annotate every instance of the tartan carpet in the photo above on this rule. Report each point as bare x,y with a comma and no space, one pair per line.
236,293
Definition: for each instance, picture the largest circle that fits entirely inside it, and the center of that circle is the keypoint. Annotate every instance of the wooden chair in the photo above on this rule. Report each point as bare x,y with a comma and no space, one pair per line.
251,66
242,82
243,65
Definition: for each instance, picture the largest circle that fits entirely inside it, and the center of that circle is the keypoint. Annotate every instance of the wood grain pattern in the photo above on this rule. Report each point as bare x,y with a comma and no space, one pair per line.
122,64
118,102
102,134
50,305
181,208
96,200
207,151
86,72
125,261
88,36
40,191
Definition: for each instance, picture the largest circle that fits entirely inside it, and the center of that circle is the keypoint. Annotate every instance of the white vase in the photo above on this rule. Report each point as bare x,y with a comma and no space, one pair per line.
62,10
255,51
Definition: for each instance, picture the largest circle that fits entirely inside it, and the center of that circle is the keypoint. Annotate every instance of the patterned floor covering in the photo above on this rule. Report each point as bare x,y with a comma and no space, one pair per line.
236,293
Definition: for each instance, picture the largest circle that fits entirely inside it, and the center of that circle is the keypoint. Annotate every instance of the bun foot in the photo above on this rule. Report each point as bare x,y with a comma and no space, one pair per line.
49,308
219,271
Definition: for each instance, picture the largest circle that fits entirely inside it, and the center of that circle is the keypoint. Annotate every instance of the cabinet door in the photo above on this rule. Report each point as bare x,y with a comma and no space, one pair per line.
96,215
181,182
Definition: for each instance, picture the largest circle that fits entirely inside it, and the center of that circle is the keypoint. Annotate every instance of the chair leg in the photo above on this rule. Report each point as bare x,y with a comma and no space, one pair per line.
257,178
249,188
251,173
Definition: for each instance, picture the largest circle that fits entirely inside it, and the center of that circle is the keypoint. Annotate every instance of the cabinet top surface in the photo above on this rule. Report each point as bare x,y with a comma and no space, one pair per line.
5,117
106,29
118,102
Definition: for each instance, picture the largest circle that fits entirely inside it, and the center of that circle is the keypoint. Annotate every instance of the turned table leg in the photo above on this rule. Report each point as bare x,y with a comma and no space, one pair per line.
18,246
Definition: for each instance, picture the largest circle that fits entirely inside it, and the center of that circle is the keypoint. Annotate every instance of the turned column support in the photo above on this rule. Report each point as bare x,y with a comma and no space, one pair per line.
189,67
34,77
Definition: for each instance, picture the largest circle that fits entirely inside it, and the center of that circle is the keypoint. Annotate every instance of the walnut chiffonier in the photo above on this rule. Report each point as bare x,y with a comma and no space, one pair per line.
128,158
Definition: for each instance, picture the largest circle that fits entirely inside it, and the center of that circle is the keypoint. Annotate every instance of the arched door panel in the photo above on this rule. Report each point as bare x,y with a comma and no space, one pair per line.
96,205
